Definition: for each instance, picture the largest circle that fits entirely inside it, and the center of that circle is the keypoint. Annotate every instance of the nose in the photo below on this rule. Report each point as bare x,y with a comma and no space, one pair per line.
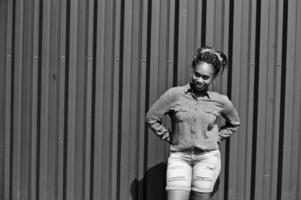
199,80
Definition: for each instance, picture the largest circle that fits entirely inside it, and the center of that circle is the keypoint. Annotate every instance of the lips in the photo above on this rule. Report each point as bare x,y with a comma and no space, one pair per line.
199,85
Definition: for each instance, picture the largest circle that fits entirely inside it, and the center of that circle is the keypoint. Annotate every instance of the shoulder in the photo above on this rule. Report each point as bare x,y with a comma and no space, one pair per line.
221,98
174,93
171,92
176,90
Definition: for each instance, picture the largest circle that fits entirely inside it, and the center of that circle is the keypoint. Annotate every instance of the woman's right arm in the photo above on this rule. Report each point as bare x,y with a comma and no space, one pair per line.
155,115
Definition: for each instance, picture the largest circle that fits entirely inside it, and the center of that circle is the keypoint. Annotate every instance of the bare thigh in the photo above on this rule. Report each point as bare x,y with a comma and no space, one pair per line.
199,196
178,195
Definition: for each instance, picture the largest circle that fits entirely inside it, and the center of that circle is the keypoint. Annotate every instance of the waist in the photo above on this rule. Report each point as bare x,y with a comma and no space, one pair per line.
194,150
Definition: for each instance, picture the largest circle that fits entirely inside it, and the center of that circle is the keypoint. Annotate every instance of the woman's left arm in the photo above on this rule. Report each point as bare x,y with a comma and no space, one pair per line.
232,119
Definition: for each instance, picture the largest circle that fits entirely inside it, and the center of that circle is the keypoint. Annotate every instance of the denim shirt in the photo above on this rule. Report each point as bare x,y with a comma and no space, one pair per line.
195,120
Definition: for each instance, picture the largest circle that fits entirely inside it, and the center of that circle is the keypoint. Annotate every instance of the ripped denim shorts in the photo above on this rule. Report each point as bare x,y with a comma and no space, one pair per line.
193,170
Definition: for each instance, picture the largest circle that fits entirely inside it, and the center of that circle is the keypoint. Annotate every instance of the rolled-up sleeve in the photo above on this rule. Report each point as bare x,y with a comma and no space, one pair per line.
231,116
155,115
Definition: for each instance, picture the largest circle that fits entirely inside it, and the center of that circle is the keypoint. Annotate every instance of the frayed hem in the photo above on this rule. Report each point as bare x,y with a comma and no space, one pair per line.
202,190
178,188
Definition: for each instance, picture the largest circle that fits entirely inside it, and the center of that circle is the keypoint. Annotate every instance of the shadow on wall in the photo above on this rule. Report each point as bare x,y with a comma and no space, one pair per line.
153,184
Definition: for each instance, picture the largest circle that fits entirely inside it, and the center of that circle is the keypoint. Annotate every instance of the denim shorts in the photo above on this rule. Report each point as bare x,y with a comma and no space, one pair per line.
190,170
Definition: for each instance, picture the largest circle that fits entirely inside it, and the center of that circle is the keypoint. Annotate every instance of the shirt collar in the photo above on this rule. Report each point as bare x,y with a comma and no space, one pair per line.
187,88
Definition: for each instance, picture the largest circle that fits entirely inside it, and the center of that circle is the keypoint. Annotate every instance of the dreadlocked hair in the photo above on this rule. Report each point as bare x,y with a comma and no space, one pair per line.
211,56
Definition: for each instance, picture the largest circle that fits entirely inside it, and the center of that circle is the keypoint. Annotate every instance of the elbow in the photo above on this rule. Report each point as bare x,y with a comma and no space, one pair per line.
236,123
151,119
148,118
237,127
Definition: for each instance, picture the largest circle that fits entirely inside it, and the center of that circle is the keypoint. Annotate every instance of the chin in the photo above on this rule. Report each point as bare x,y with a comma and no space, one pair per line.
200,88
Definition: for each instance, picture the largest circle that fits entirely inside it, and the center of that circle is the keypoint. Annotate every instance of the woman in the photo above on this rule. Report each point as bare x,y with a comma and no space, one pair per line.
194,160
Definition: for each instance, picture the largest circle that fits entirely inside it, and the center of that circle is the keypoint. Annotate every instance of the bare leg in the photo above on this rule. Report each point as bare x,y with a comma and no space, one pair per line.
177,195
199,196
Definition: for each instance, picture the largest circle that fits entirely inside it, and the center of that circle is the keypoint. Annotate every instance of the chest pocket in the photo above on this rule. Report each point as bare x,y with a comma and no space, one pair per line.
181,113
212,115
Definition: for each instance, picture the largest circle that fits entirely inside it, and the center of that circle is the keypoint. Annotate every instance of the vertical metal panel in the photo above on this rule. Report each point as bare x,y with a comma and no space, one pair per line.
44,113
3,17
249,129
114,190
262,96
6,65
17,101
292,108
88,125
268,183
71,193
296,181
280,45
234,81
62,99
99,98
78,76
34,111
245,74
128,95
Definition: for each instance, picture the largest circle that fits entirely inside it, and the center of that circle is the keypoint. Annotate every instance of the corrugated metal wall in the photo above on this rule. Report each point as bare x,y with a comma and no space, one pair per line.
77,77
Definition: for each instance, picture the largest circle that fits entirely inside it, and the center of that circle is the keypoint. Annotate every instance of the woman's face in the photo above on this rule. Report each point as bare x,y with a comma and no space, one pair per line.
202,76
